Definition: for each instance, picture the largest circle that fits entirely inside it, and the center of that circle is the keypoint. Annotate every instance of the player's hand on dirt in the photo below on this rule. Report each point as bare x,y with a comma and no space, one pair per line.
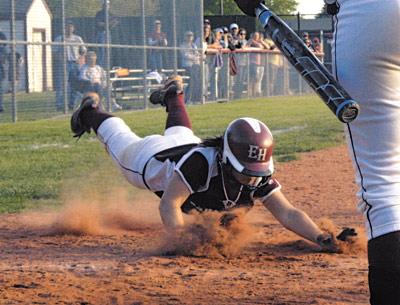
346,234
327,242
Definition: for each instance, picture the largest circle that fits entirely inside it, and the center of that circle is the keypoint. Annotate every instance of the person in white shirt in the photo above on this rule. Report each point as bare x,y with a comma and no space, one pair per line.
74,54
93,78
93,74
190,61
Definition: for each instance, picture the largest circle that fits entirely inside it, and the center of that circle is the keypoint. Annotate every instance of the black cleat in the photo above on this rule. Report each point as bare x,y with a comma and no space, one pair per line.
78,127
173,85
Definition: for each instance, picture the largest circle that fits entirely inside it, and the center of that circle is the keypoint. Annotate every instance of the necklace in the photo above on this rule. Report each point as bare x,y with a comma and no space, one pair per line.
228,203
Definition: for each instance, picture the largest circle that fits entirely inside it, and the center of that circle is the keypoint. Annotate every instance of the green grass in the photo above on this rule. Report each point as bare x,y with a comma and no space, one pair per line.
40,162
30,106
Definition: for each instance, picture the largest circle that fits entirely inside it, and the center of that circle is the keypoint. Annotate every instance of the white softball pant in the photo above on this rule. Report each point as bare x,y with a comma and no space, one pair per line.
366,61
131,153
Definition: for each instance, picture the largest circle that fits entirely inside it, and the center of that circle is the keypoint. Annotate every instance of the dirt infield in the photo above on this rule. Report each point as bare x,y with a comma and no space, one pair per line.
91,253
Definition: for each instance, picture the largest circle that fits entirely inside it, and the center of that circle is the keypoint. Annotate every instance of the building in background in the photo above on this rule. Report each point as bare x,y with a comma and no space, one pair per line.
32,24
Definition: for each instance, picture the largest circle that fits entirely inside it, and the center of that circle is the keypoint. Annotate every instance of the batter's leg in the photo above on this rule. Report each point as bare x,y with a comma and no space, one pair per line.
384,269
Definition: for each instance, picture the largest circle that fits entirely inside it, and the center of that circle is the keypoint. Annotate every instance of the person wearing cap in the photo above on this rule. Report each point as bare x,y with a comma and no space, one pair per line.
190,61
157,39
234,30
232,171
219,41
74,55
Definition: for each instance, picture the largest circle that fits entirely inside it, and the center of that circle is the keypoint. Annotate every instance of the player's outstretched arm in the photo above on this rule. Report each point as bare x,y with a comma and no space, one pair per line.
170,206
297,221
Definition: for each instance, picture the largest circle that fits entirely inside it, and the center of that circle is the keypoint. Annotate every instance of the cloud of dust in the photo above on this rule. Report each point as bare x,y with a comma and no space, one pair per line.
204,236
354,244
89,214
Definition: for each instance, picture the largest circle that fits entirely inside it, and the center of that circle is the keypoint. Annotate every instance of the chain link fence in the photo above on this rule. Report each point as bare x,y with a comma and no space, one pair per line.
52,52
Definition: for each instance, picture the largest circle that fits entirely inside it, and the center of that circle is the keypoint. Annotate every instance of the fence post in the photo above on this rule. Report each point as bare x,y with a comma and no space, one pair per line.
65,76
300,82
228,76
13,63
142,6
298,23
321,39
216,72
286,75
203,58
108,57
248,73
267,73
174,38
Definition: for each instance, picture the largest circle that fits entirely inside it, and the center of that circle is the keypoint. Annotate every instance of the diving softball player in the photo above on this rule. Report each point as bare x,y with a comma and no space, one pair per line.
224,173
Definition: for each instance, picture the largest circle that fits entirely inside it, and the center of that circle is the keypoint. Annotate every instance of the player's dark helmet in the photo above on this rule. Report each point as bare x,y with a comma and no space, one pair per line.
248,146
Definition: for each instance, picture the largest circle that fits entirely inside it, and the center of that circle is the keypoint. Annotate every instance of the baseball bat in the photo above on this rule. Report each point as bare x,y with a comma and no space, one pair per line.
303,60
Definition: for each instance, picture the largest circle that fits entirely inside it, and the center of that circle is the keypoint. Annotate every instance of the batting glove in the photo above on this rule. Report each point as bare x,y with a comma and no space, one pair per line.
346,234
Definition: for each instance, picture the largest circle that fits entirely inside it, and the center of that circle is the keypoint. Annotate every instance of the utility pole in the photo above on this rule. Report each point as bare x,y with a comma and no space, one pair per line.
221,7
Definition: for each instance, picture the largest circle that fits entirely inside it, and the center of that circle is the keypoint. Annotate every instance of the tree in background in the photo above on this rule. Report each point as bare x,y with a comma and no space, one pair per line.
89,8
212,7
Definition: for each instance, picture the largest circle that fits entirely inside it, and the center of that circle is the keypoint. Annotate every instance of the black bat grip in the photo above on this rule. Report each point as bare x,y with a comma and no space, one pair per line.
308,65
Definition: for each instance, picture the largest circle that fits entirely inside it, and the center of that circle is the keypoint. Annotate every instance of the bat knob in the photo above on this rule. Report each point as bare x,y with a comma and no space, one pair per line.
348,111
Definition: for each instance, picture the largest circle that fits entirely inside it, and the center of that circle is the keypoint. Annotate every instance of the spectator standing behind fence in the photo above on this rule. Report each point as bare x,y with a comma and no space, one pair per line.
157,39
307,41
234,30
242,65
317,45
74,54
208,39
93,78
256,64
275,67
207,23
101,36
242,39
216,63
190,61
4,56
19,62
